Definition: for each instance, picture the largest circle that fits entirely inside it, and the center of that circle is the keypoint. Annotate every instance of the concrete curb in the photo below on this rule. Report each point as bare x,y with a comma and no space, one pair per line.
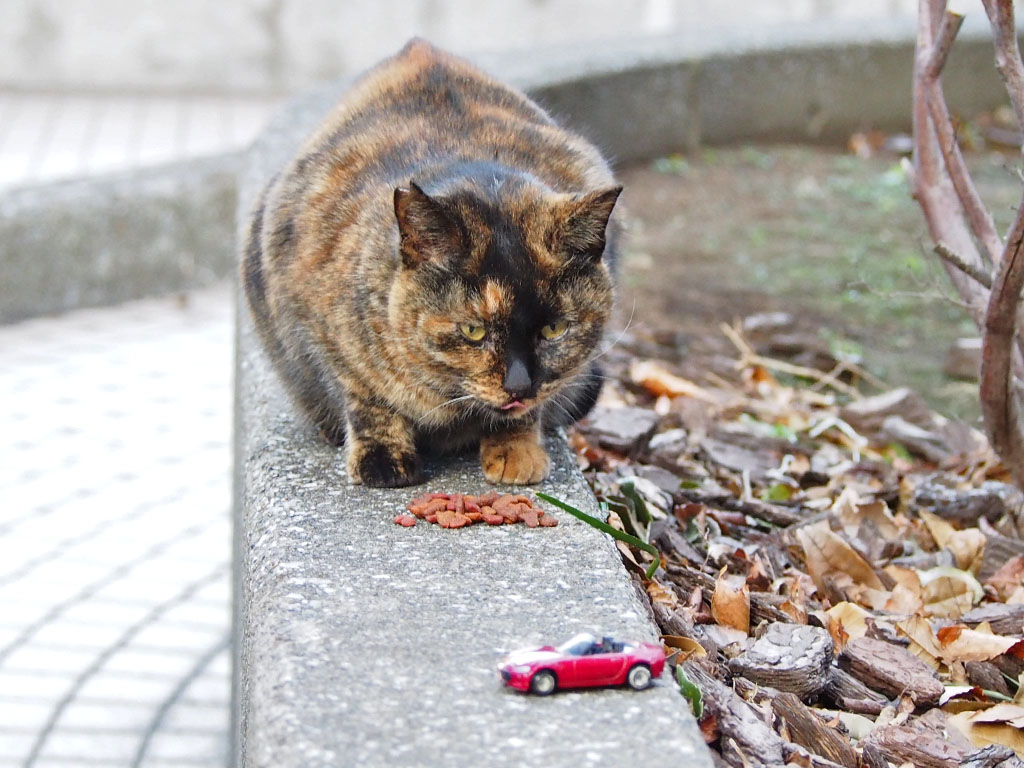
106,240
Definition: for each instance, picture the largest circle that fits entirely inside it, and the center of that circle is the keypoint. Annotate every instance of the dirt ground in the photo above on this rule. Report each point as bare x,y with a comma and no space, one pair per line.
833,239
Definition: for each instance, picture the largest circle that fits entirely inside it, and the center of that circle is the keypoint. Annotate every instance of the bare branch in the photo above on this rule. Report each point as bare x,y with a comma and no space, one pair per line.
1000,16
1000,403
978,217
970,270
948,28
931,186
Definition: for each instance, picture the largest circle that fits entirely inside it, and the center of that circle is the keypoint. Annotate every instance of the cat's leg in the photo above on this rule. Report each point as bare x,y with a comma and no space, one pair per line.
381,448
515,458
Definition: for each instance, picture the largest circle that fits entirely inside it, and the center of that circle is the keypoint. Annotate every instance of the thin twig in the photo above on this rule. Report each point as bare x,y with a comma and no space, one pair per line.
950,256
749,358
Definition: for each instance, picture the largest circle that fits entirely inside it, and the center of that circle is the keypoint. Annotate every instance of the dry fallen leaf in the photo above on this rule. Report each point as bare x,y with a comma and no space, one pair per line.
949,593
846,622
730,603
923,642
655,379
826,553
999,724
1009,579
662,595
682,648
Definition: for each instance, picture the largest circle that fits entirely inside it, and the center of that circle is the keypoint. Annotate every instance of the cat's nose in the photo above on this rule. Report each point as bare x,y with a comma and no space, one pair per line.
517,382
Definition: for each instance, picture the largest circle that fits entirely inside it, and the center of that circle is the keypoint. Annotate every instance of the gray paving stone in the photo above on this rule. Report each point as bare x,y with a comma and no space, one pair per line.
110,516
23,715
29,685
178,747
115,748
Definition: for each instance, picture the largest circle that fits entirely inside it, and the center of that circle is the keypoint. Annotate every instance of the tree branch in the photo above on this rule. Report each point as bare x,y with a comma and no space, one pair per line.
1000,402
950,256
1000,16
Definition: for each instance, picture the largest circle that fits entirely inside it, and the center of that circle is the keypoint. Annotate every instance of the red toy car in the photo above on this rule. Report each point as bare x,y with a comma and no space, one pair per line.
583,661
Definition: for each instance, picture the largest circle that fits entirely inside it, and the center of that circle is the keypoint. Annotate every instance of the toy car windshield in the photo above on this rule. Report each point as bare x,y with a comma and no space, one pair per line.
578,645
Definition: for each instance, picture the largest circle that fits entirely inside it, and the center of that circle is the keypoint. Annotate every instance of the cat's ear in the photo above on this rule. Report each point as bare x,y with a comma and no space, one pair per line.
582,230
426,229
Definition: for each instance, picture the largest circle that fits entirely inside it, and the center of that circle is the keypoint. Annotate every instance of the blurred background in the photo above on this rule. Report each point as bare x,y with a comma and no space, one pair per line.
88,86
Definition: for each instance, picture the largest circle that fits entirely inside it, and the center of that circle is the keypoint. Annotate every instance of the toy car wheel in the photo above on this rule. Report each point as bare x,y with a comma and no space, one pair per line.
543,683
639,677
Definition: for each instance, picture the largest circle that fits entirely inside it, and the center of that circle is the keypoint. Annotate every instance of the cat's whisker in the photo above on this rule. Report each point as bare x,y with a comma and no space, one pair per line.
442,405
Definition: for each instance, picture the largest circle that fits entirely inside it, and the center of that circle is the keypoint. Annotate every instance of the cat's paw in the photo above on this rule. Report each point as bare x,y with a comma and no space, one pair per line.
519,460
380,466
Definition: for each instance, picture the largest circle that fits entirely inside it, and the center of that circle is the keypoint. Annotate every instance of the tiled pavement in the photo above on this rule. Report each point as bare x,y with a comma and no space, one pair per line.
46,137
115,535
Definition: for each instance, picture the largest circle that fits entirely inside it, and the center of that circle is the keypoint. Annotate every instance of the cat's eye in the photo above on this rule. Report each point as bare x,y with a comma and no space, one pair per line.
555,330
472,331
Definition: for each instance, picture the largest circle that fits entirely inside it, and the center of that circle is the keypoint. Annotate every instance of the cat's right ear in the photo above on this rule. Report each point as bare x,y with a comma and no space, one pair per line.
425,228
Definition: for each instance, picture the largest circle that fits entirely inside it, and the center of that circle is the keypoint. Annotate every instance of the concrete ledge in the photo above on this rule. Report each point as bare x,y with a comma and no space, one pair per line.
113,238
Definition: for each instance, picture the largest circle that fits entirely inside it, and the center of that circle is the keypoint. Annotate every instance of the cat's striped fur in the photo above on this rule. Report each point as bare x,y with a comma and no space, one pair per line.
434,202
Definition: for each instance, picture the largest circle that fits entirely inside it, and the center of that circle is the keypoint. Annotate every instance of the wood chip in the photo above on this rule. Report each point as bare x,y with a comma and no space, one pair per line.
806,729
789,657
916,743
891,669
745,739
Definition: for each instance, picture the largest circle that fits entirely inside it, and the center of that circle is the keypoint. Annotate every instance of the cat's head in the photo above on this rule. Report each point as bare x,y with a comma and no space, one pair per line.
503,293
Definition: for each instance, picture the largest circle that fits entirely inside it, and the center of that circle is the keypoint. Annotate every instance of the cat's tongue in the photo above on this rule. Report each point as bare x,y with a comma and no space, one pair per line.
513,405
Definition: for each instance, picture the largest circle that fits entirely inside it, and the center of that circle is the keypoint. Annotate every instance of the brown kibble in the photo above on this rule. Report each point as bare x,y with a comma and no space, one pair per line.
448,518
457,510
530,517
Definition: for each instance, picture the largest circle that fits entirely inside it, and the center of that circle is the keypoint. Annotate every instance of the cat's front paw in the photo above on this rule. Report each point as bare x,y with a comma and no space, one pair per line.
384,467
514,460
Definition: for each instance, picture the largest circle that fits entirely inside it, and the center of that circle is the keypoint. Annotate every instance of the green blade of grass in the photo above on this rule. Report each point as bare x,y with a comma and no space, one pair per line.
601,525
690,691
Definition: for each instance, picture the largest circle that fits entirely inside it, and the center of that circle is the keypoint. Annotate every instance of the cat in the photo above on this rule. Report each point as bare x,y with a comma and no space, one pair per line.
435,269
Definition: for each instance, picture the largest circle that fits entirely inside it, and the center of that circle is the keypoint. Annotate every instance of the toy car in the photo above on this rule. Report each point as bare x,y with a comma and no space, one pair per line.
583,661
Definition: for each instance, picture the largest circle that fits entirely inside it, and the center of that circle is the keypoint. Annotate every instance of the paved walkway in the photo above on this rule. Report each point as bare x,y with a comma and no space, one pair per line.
115,535
47,137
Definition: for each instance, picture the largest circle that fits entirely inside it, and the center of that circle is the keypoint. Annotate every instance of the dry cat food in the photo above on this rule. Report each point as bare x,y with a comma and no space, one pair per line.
456,510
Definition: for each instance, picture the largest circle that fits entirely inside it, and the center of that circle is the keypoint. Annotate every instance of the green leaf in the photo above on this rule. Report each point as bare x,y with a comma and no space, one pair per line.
777,492
601,525
690,691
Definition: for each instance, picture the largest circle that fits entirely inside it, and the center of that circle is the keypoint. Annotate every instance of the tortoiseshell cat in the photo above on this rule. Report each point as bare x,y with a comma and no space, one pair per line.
435,269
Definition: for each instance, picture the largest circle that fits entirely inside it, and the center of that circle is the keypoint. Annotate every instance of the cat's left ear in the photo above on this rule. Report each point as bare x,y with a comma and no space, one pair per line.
586,222
426,229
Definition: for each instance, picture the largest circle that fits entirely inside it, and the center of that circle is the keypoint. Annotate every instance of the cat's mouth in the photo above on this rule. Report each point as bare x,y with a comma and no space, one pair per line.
515,405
